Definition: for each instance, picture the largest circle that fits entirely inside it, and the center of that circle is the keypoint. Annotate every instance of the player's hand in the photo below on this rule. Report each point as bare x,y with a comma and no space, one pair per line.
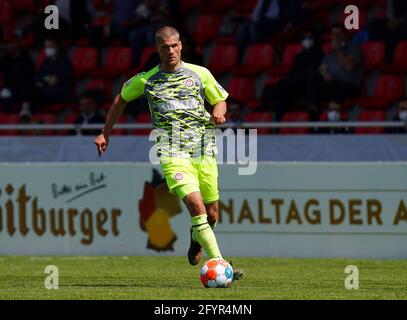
218,119
101,142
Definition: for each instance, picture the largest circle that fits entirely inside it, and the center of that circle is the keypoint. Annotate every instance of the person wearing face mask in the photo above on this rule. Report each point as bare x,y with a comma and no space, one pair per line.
333,113
401,115
55,76
281,95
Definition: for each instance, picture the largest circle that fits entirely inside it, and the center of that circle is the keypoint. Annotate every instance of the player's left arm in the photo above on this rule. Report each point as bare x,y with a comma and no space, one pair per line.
219,112
216,95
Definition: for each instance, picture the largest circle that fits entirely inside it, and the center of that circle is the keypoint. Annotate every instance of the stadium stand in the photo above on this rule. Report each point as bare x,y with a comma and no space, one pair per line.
213,25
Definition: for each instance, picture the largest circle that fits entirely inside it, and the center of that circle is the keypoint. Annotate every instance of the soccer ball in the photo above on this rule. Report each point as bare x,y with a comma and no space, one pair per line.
216,273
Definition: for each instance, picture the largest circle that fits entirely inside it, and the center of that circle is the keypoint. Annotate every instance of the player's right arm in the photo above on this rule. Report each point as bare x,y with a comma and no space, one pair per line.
114,113
131,90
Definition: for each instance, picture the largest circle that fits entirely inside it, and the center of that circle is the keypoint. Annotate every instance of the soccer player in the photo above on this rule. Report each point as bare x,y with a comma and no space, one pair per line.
185,136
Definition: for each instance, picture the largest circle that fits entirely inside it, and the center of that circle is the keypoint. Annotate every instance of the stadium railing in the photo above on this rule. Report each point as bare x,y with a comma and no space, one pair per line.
246,125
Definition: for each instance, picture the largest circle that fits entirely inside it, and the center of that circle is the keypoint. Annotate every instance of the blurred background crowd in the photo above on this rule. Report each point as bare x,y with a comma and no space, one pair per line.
280,60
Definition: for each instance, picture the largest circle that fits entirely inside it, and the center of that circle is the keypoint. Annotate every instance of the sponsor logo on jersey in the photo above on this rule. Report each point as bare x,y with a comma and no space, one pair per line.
189,82
178,176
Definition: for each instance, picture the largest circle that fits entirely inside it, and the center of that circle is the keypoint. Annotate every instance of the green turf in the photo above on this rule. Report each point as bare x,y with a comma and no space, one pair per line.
173,278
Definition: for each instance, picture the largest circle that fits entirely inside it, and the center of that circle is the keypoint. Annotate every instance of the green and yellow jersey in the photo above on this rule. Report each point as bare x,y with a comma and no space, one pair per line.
176,100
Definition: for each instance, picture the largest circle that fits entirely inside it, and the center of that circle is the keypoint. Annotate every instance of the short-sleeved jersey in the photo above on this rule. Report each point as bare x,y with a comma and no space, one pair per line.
176,101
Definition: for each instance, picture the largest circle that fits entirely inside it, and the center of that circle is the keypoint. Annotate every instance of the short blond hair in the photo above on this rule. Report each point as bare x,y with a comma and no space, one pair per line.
166,32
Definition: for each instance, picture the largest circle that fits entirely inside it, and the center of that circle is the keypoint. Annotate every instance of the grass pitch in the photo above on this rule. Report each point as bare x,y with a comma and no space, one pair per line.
173,278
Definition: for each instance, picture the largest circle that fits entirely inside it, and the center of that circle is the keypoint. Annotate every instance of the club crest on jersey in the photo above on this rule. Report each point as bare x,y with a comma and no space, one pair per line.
178,176
189,82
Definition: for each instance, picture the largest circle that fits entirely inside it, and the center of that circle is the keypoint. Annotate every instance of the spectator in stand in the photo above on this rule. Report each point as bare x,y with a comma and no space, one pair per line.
149,16
281,95
122,14
340,75
89,107
334,113
54,79
268,17
17,68
235,112
401,115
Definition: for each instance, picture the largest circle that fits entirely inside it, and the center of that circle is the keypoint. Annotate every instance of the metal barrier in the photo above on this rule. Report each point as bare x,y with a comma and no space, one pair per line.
246,125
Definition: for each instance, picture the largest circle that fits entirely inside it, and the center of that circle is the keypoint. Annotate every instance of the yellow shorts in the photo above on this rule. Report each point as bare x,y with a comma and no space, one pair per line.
186,175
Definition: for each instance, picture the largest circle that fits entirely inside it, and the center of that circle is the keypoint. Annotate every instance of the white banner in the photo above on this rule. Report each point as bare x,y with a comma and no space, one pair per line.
356,210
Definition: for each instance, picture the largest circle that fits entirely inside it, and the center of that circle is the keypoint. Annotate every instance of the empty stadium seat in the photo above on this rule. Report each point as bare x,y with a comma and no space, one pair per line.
368,115
399,63
259,57
374,54
295,117
9,119
206,28
118,61
42,118
289,54
84,60
242,89
388,89
142,118
223,58
260,117
69,119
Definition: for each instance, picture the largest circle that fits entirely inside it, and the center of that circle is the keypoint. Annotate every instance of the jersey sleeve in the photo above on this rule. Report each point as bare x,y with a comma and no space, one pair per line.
214,92
133,88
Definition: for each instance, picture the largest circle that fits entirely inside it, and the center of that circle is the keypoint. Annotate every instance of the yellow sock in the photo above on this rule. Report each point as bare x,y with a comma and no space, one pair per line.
203,233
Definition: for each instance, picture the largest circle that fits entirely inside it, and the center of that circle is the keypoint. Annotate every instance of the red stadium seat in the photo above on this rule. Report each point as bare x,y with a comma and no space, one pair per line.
242,89
399,63
388,89
40,58
244,8
6,11
374,54
223,58
188,5
259,57
42,118
101,84
327,48
295,117
206,28
260,117
84,60
289,54
69,119
217,6
144,117
118,61
367,115
9,119
25,5
120,132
